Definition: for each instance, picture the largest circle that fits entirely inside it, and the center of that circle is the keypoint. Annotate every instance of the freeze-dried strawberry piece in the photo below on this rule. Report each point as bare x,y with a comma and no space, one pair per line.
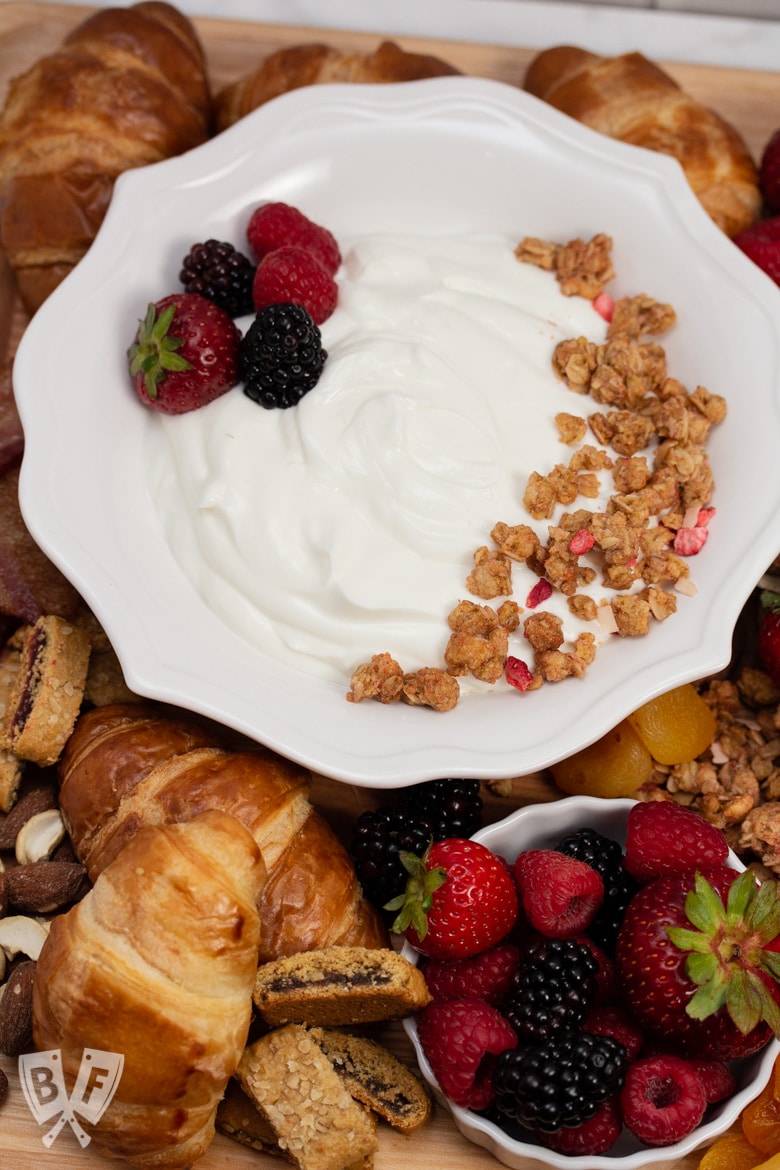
604,304
582,542
689,541
540,592
517,673
560,895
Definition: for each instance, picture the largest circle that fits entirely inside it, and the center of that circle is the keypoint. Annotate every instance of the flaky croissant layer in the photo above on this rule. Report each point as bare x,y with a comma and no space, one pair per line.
156,964
131,764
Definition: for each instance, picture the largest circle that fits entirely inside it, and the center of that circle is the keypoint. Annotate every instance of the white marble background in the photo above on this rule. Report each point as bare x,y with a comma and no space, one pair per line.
740,33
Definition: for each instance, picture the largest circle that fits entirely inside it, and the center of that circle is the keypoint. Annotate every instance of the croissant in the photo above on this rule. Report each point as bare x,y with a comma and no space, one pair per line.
318,64
631,99
127,87
131,764
156,965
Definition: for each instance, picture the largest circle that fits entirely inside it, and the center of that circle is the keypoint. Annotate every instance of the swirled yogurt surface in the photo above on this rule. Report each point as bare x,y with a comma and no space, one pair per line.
347,525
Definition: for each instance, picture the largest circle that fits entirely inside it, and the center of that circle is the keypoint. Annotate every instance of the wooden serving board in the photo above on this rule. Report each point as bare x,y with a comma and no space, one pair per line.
751,100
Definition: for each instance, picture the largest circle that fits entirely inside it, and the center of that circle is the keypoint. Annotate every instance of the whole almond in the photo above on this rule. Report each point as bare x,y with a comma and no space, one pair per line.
16,1010
40,887
36,800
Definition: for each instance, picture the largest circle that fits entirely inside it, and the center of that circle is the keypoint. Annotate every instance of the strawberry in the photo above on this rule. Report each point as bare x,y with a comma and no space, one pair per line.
663,837
769,174
459,900
694,964
274,225
761,243
292,274
560,895
185,354
769,634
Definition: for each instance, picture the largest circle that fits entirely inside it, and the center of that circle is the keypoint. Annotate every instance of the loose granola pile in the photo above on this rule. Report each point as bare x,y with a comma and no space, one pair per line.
650,437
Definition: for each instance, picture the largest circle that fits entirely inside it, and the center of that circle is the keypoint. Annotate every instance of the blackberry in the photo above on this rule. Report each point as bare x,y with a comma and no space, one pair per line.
560,1083
450,808
378,838
280,356
606,857
552,990
424,813
215,270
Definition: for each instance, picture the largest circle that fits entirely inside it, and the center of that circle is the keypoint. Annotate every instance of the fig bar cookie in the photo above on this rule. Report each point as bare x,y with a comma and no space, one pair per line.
376,1078
297,1091
339,985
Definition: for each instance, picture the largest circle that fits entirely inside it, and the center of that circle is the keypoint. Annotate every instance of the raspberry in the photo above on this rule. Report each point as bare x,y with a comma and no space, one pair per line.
664,838
215,270
280,356
603,1020
596,1136
487,976
662,1100
717,1078
554,986
560,1083
275,225
606,976
560,895
291,274
461,1039
606,857
761,243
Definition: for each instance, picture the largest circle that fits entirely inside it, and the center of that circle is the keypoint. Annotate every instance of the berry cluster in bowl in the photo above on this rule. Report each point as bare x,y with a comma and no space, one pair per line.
188,349
598,1026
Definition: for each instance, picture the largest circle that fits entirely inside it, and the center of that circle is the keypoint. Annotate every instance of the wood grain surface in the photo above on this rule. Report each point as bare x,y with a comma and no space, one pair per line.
751,100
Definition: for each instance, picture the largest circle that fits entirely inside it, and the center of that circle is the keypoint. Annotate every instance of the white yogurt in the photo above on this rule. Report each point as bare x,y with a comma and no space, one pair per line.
347,525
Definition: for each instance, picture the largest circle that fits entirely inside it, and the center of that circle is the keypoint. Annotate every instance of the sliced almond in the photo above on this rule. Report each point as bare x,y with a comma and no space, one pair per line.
39,837
22,935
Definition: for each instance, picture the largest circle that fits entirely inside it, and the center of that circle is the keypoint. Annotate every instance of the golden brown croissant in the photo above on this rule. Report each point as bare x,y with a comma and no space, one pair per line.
631,99
156,964
131,764
317,64
127,87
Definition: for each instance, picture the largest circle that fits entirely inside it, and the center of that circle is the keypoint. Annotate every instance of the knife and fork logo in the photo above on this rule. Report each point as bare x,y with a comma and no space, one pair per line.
43,1084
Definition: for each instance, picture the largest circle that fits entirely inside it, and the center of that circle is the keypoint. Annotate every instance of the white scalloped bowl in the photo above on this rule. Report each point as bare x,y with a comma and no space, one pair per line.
450,154
540,826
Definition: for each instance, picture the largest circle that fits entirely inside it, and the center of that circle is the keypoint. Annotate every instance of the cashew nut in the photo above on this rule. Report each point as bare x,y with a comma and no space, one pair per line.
22,935
39,837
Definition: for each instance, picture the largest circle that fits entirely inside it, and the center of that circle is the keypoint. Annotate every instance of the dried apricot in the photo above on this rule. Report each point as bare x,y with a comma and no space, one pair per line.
731,1152
616,765
675,727
761,1120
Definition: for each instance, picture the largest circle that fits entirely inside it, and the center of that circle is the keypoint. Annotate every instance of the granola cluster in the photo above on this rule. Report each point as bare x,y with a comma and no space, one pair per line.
649,434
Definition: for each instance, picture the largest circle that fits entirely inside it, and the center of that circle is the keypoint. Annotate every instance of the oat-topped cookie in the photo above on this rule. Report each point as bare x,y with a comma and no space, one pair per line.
339,985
